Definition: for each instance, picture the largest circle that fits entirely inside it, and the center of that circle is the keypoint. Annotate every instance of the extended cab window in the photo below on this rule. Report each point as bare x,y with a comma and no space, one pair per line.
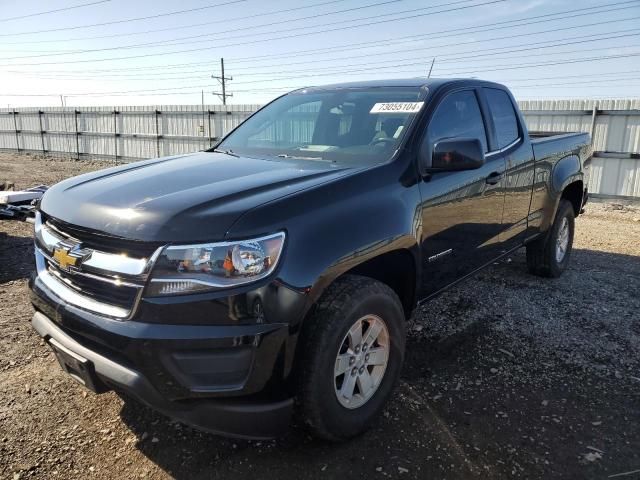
458,116
341,125
504,116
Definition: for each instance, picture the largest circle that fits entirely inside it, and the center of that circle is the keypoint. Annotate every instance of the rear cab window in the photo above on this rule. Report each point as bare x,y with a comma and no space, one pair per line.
503,115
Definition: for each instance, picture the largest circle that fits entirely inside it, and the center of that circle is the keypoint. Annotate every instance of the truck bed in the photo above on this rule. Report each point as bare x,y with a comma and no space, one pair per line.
546,144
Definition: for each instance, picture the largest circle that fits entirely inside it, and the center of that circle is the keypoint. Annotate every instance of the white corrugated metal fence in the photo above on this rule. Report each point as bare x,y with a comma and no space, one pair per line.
129,133
615,168
123,133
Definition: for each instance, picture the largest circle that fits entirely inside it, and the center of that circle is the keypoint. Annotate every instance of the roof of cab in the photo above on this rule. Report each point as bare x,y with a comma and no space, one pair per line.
416,82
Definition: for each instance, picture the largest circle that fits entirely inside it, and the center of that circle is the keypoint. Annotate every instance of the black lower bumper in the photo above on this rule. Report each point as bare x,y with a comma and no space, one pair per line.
234,416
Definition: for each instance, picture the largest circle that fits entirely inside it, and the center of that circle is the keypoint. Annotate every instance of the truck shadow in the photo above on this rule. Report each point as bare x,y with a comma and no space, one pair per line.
391,446
403,438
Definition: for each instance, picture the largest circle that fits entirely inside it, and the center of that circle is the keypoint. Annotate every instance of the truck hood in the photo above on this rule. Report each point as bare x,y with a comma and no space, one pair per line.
187,198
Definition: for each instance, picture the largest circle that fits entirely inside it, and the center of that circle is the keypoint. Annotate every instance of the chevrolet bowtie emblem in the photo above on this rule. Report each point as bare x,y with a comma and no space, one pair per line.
68,257
61,255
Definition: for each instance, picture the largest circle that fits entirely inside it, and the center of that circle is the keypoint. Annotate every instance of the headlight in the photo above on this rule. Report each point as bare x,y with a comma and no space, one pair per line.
183,269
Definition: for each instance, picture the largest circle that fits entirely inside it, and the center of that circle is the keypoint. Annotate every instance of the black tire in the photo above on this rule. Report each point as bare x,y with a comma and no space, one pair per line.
541,253
346,301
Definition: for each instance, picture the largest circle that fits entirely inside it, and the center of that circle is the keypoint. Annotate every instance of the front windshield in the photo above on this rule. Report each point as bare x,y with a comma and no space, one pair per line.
342,125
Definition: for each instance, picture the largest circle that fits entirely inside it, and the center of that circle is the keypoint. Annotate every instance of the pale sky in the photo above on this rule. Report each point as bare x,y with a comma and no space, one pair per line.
539,48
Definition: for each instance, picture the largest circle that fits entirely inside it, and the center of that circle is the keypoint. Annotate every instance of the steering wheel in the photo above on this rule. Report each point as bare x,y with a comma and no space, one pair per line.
383,140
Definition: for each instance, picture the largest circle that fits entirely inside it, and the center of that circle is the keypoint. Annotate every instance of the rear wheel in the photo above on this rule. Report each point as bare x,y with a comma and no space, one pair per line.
353,348
549,256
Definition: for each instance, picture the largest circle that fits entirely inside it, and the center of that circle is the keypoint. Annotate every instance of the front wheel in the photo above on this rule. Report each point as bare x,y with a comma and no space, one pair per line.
549,256
353,348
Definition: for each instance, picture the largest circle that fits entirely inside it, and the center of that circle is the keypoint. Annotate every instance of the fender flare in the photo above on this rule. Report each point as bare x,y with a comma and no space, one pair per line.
566,171
405,244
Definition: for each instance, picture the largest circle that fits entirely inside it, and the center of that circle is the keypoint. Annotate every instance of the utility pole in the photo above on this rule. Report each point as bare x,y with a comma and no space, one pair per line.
202,128
223,81
224,90
431,68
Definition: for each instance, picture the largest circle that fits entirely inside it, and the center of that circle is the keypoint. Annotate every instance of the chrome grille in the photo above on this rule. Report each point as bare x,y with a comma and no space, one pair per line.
108,283
121,295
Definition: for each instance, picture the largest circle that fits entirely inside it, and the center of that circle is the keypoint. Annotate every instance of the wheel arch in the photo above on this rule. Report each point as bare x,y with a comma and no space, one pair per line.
573,192
397,269
567,182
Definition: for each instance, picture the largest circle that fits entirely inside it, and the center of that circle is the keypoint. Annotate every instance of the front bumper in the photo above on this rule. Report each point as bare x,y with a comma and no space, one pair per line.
232,417
190,360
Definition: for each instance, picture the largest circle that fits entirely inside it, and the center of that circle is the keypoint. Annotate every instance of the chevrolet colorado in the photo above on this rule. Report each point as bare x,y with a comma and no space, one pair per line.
273,274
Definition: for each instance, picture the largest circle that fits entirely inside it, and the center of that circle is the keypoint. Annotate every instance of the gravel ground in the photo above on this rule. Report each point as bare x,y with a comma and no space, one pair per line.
507,376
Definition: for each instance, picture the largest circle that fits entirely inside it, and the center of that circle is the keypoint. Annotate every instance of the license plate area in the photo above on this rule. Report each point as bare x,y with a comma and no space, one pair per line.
77,367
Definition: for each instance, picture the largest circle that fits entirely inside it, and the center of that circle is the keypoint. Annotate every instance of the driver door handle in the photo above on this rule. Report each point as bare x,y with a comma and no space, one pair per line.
493,178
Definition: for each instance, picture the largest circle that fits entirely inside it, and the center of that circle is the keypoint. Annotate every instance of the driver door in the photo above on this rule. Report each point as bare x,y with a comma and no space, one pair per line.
461,210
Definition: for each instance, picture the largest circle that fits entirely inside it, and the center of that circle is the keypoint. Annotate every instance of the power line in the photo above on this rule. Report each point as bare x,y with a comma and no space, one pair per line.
199,78
293,88
583,86
399,40
518,35
191,25
159,43
499,68
452,32
540,47
348,72
126,20
421,62
457,72
253,34
587,82
558,62
255,41
395,40
222,32
608,74
395,66
275,91
443,58
288,88
29,15
176,41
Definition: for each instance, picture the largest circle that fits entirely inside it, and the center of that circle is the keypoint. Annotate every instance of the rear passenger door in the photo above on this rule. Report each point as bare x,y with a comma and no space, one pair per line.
510,146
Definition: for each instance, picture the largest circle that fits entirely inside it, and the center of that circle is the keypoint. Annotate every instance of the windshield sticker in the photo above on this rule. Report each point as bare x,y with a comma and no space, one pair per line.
397,107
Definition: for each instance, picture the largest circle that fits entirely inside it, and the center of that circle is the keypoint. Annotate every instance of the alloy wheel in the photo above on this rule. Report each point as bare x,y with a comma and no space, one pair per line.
562,242
361,361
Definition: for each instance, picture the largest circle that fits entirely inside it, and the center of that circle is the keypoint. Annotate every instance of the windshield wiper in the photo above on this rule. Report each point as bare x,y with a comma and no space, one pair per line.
227,152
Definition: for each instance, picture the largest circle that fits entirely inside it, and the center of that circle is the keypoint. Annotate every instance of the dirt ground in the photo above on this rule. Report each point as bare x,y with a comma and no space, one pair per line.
507,376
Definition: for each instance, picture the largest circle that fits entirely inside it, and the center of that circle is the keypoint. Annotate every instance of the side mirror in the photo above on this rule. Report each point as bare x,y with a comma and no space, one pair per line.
457,154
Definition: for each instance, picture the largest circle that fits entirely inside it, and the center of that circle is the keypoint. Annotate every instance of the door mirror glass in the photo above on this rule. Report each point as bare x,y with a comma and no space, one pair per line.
457,154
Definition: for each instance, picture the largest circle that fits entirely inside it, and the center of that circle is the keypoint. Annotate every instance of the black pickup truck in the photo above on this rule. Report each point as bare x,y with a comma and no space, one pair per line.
273,274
